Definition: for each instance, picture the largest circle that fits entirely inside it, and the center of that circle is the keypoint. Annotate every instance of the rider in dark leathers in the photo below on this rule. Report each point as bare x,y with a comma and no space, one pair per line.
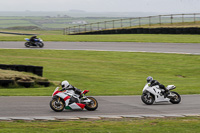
155,82
32,39
66,86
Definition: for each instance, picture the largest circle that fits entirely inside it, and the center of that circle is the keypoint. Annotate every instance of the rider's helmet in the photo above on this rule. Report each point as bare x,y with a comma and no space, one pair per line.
149,79
34,36
65,84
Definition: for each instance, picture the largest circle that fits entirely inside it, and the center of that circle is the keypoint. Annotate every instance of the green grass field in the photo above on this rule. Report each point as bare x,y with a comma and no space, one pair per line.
147,125
57,36
107,73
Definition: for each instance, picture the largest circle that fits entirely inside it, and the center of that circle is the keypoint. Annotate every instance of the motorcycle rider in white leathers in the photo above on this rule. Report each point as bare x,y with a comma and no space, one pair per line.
66,86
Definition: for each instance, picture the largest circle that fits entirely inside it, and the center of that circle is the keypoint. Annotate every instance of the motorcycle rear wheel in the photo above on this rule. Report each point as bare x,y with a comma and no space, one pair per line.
147,100
27,44
176,99
57,105
93,105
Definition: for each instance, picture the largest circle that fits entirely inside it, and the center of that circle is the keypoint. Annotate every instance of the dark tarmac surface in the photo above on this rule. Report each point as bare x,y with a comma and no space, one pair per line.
182,48
28,106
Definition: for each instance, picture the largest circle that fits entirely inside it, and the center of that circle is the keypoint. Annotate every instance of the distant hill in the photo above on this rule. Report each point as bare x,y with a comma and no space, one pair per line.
77,13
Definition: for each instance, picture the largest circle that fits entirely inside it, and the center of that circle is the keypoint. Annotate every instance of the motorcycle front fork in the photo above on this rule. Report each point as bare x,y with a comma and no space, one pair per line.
148,95
58,101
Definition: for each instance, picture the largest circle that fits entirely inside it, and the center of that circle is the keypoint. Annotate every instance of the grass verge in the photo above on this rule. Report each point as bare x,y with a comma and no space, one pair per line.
23,76
56,36
150,125
106,73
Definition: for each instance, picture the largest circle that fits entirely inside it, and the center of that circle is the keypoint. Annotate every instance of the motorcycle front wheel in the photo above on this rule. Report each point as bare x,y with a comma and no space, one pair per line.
176,99
57,105
149,100
27,44
93,105
41,44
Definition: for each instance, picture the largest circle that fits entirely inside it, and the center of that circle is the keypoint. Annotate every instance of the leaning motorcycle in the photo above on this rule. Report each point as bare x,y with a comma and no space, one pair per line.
153,94
69,100
36,43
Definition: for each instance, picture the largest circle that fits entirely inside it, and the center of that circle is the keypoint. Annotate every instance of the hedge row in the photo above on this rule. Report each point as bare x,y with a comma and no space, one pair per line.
16,33
7,82
147,31
38,70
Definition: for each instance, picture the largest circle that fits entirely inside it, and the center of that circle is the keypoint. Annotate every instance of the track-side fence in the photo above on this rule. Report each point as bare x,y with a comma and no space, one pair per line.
137,21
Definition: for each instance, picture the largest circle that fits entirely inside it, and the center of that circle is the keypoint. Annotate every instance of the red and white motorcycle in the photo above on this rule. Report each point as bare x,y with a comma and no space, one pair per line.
69,100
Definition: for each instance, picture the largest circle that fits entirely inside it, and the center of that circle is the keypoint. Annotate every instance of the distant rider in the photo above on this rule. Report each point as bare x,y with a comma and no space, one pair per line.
32,39
155,82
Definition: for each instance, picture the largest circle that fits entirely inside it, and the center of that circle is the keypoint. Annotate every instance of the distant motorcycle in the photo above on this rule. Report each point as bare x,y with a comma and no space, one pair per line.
36,43
153,94
69,100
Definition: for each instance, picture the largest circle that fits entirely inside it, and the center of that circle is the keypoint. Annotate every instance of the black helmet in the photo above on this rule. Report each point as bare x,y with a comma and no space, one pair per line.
149,79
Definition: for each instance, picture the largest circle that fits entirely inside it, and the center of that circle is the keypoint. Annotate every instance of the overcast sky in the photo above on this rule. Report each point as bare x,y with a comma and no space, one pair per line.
162,6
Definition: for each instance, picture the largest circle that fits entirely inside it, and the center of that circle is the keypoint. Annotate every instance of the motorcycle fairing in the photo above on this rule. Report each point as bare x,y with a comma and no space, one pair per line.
156,92
77,106
64,97
56,91
74,106
61,95
86,101
36,40
27,39
170,87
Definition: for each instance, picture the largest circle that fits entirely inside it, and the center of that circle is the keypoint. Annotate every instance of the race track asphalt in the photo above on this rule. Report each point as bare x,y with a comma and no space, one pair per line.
31,106
182,48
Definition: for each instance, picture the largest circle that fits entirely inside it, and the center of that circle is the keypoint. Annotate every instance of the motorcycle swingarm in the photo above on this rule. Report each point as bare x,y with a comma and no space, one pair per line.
86,101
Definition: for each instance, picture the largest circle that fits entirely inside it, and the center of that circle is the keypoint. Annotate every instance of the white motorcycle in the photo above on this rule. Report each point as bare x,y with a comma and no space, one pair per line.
153,94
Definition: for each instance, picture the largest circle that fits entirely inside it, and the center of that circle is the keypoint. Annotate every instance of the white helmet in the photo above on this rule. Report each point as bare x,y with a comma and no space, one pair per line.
65,84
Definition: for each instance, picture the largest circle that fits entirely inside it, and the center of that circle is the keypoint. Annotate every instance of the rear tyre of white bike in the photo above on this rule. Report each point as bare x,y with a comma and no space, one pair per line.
176,99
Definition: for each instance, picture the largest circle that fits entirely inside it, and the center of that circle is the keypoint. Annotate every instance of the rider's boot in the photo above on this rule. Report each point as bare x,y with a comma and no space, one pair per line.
82,97
163,92
166,93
